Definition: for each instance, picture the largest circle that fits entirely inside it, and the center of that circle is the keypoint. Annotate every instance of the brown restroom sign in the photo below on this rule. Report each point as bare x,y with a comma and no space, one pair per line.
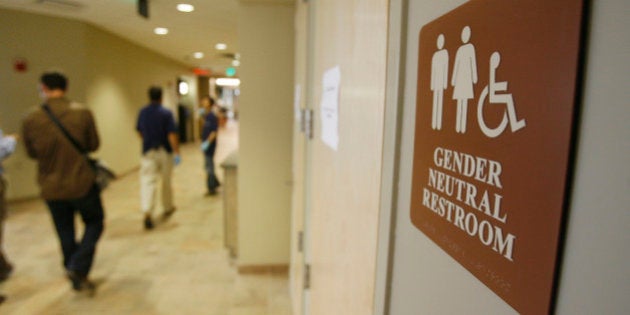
496,97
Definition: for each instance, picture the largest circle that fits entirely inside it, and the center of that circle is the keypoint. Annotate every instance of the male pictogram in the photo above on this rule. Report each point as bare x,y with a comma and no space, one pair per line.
439,81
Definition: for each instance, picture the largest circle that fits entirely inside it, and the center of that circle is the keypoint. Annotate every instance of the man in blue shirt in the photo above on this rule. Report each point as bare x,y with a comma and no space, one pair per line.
209,137
160,151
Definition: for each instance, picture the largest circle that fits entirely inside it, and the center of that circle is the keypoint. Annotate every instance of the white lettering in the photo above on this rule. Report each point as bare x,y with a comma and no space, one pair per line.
485,229
497,209
471,224
503,245
494,170
481,169
488,234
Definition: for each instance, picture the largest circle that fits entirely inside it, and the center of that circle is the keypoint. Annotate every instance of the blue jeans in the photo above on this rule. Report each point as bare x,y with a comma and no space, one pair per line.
78,256
211,179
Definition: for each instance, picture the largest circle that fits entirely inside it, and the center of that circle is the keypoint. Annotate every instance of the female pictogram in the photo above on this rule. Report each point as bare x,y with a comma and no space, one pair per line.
463,78
504,98
439,81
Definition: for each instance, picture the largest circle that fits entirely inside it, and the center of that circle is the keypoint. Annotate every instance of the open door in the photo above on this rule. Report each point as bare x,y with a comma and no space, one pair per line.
336,202
300,157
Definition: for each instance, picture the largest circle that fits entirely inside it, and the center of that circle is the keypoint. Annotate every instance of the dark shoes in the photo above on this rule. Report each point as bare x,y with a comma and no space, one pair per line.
169,213
148,223
80,283
5,271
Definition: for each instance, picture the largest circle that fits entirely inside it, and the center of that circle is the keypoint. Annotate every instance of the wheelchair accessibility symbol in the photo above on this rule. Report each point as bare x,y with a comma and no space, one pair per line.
463,78
494,98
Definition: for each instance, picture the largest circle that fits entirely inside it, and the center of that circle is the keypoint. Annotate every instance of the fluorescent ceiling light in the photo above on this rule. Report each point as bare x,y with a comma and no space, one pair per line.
198,55
220,46
185,7
160,30
228,82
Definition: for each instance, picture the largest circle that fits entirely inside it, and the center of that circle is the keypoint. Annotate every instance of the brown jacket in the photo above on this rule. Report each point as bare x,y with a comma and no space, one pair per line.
63,173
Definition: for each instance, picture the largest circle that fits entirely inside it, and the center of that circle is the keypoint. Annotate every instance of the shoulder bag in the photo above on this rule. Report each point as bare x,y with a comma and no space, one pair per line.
104,175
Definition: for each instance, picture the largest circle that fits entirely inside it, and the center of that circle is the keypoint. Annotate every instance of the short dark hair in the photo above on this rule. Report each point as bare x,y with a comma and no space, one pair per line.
210,99
155,93
54,81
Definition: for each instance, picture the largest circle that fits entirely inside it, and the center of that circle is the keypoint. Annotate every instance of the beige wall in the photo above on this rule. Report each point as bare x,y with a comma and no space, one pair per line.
594,277
108,74
265,113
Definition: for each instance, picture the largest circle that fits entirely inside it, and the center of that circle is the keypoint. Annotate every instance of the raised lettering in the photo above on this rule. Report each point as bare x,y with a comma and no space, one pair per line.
471,229
480,169
437,156
503,246
494,170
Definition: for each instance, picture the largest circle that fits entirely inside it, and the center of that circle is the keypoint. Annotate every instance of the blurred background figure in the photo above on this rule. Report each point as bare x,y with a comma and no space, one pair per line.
160,151
7,147
210,114
65,177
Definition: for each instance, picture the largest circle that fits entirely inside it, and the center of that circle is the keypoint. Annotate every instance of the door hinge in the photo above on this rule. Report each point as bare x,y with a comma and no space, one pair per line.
307,276
300,241
308,123
302,120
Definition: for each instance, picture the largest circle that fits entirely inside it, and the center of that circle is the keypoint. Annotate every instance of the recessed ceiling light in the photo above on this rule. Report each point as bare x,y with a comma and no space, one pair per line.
160,30
220,46
185,7
198,55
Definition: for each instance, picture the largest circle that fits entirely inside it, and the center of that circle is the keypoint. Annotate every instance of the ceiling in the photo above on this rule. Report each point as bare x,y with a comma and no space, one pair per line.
212,22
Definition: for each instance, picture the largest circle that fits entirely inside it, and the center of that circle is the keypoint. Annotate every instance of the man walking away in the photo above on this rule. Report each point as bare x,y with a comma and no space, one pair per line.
209,112
64,175
160,142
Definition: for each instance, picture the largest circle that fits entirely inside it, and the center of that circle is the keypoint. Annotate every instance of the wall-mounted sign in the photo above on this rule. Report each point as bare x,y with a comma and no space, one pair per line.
329,107
495,104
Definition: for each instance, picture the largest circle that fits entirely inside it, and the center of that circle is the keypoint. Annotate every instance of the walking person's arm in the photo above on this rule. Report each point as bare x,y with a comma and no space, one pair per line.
26,134
93,141
211,137
7,145
173,140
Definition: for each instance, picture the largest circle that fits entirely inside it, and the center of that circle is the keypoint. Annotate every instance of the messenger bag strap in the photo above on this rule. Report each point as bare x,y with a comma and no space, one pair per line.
64,131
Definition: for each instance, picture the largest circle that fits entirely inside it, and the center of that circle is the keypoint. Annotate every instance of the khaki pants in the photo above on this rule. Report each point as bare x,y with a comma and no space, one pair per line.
156,167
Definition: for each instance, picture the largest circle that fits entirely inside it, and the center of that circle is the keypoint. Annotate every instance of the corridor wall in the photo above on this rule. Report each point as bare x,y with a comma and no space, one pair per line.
594,277
107,73
265,121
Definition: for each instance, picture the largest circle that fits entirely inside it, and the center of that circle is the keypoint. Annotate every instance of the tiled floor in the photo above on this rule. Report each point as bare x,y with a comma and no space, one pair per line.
180,267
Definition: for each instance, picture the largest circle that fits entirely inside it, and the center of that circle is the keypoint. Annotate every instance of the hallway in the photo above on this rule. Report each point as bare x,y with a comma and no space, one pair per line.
180,267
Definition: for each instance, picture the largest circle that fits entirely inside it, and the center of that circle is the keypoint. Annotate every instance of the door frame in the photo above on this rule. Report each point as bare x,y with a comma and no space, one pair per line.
392,131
